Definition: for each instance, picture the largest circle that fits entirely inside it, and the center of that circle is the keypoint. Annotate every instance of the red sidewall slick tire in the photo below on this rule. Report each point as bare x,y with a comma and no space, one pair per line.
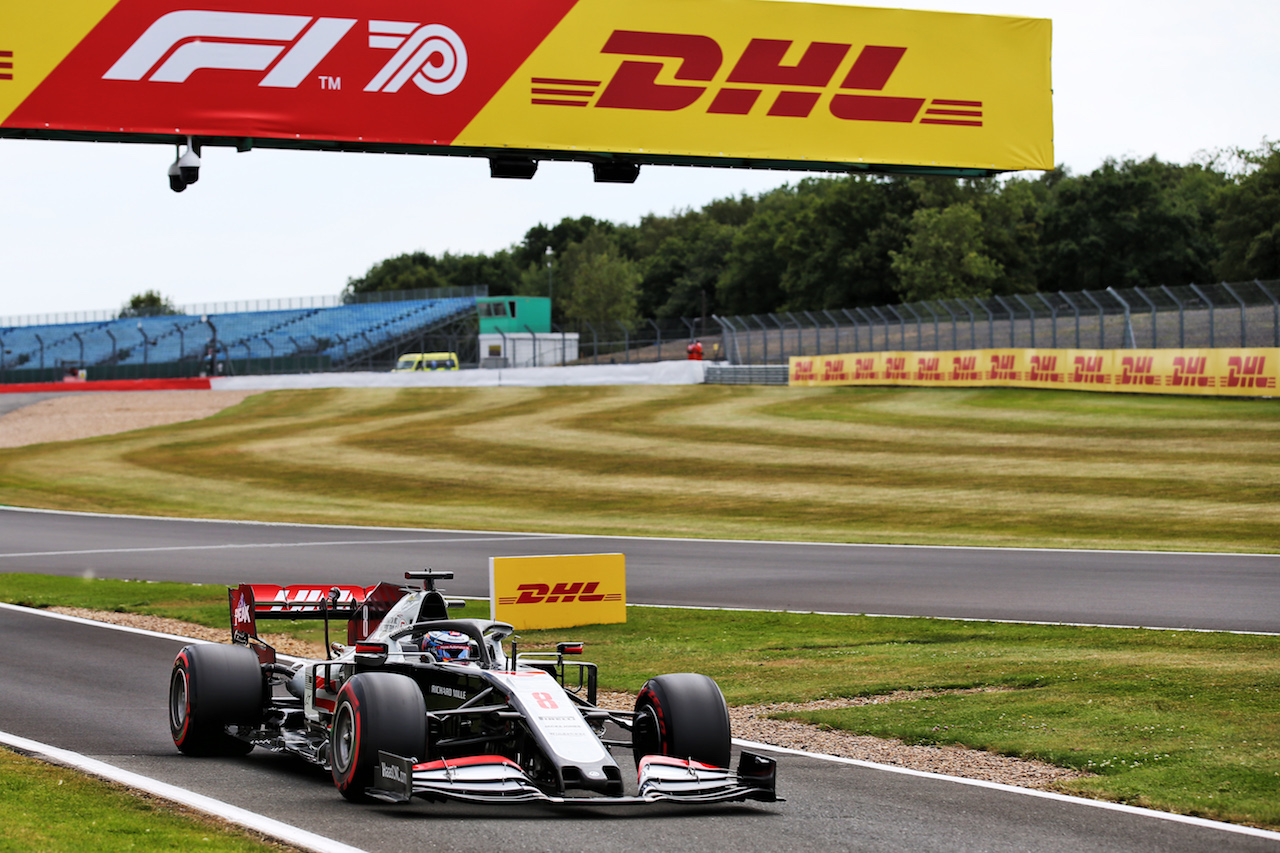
212,687
682,715
375,712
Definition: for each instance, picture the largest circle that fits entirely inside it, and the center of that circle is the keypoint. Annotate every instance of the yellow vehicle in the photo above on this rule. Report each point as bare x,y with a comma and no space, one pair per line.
426,361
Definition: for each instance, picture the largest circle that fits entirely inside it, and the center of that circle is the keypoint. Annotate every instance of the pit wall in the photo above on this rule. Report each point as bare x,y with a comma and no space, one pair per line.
1220,372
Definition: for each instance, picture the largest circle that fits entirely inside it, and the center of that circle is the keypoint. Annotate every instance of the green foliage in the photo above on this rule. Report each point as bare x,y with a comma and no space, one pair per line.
861,240
1130,224
1249,218
419,270
539,238
600,286
149,303
682,257
944,256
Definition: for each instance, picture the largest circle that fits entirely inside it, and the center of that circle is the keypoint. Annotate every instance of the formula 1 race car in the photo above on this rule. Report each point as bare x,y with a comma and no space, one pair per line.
416,704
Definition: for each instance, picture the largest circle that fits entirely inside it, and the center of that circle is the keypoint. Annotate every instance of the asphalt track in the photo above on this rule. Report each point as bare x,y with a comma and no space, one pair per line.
110,705
1230,592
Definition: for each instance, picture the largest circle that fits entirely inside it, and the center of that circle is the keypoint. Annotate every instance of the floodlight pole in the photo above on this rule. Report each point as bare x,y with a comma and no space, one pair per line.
551,293
144,344
213,345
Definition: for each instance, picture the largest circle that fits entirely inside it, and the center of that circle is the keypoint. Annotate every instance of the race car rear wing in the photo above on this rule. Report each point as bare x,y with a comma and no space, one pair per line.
362,608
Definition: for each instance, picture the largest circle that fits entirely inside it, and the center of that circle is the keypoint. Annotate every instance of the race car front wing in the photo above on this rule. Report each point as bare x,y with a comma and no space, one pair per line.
495,779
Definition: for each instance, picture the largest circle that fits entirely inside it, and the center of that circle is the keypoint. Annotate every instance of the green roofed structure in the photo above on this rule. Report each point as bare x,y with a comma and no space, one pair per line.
508,314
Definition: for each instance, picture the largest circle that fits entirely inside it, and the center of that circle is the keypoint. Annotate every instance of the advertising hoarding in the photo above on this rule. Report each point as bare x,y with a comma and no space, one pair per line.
708,82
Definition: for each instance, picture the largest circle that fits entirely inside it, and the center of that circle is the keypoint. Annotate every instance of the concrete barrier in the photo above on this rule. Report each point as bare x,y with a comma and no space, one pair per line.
651,373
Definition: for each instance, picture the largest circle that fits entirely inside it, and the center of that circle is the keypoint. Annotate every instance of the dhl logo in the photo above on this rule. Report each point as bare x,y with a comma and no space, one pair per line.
635,86
1246,372
833,370
928,369
1002,367
964,368
804,370
567,592
1089,370
6,64
1189,371
895,367
1043,369
865,368
1136,370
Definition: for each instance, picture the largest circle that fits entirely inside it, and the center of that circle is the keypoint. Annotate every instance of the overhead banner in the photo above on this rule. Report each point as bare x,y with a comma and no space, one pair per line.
1219,372
715,82
558,591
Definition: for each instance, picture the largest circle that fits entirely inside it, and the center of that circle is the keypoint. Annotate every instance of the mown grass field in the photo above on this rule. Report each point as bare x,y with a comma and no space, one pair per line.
1180,721
925,466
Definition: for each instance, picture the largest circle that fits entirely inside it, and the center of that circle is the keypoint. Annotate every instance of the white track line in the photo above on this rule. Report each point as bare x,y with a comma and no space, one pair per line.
1029,792
871,765
520,534
238,546
232,814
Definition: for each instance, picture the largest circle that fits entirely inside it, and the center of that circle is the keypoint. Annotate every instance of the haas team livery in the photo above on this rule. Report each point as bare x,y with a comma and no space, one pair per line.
416,704
704,82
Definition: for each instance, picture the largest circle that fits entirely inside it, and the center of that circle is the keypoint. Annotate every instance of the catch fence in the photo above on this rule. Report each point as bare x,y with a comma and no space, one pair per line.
1239,314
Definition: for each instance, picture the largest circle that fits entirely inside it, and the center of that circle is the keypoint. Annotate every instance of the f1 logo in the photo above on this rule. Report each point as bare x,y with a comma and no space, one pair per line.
180,43
185,41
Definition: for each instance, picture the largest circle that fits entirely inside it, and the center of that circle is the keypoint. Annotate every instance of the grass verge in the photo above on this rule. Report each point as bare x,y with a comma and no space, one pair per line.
56,810
1002,467
1179,721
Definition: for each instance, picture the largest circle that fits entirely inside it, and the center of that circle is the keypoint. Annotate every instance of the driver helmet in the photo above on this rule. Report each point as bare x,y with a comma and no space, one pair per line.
448,645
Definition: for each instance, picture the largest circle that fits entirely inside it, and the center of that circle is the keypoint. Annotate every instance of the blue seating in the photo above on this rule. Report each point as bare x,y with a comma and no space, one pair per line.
343,333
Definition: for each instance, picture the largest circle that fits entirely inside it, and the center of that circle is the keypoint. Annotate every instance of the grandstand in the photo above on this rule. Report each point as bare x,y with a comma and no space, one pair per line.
336,337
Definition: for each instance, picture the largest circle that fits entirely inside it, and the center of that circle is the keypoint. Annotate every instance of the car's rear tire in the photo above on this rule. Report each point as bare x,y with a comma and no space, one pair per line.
212,687
682,715
375,711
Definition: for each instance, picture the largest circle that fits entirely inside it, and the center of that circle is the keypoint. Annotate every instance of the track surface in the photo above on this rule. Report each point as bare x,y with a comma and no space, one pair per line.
112,707
111,703
1169,590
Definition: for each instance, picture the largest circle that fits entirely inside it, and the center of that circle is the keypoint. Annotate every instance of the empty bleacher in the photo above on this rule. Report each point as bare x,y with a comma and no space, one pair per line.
340,337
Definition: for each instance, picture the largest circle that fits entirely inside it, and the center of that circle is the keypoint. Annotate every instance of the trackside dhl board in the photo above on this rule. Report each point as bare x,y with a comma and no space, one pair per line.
558,591
1217,372
728,82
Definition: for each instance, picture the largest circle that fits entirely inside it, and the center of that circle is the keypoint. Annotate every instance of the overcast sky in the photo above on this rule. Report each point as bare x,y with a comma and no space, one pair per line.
85,225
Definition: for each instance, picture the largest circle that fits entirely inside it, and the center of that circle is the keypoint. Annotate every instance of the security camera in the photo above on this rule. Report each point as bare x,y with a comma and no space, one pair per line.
189,165
176,183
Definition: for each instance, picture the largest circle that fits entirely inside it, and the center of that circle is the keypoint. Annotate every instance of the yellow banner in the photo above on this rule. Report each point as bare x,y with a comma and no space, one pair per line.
1252,372
793,82
558,591
34,39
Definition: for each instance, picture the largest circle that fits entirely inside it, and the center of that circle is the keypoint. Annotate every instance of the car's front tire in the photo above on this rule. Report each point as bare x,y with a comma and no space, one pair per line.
211,687
682,715
375,711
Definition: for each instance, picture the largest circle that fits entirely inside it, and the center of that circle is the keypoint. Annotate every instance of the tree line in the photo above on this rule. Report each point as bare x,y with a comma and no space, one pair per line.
868,240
